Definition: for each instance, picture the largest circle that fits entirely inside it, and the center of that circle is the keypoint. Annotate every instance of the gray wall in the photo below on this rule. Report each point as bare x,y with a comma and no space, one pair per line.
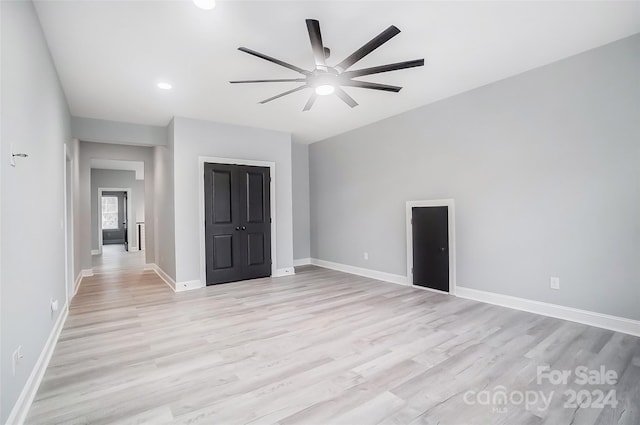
95,130
194,138
165,206
90,151
119,179
300,188
35,118
544,168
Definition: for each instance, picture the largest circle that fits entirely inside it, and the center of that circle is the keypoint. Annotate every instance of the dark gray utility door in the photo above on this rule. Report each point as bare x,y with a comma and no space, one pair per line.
237,222
431,247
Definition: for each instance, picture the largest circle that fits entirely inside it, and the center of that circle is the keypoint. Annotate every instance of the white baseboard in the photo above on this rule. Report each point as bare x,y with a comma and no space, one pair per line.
95,252
76,284
287,271
372,274
133,249
605,321
301,262
164,276
20,410
188,285
87,272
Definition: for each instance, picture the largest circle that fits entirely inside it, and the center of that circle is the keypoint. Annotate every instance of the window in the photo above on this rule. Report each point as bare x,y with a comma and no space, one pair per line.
110,212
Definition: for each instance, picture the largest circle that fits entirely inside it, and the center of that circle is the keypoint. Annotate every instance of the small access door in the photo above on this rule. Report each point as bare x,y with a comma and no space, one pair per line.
237,222
431,247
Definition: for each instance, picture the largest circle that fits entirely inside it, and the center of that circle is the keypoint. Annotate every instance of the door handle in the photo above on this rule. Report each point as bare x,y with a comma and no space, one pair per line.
244,228
443,249
237,228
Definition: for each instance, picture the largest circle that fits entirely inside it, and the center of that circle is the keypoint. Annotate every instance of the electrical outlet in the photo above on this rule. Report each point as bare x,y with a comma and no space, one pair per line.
366,255
554,282
16,358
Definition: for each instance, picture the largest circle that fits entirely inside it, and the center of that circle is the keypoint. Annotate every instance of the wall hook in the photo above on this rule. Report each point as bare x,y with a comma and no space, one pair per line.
14,155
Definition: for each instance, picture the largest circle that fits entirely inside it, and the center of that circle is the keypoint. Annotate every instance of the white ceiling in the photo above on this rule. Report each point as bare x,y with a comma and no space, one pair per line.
114,164
110,54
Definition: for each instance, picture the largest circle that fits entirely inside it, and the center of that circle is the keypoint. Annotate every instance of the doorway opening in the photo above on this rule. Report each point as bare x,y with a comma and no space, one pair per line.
117,215
431,250
114,216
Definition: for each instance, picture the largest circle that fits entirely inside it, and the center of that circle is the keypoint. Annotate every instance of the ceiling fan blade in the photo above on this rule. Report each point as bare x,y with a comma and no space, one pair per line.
383,68
367,85
284,94
310,102
274,60
345,97
313,26
279,80
376,42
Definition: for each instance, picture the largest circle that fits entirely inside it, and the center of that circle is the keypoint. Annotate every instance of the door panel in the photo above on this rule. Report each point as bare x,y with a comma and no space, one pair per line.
237,222
256,219
222,251
222,240
222,210
431,247
255,249
255,197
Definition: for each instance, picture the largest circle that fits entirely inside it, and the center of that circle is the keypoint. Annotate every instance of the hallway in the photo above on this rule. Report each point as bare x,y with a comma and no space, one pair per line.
115,258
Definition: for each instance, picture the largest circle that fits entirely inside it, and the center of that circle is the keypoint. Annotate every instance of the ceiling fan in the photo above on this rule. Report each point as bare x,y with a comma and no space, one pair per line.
325,79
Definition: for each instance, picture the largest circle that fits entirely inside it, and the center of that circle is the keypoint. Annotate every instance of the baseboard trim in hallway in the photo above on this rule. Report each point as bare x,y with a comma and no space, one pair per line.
162,274
20,410
77,283
604,321
585,317
371,274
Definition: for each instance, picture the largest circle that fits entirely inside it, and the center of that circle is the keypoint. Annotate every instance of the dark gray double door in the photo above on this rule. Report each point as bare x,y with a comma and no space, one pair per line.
237,222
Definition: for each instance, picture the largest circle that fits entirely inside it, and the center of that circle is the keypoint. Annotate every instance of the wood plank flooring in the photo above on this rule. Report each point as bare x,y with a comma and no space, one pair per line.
115,258
320,347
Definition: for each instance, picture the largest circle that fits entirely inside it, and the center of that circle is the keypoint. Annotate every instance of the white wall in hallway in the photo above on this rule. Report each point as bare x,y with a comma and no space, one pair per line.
165,225
35,118
300,182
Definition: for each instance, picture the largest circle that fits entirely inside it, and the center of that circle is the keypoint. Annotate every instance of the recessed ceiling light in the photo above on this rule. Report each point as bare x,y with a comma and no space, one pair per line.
165,86
324,89
205,4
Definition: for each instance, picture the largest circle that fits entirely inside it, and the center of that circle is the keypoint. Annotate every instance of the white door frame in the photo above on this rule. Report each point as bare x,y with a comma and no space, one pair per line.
69,265
129,213
450,203
232,161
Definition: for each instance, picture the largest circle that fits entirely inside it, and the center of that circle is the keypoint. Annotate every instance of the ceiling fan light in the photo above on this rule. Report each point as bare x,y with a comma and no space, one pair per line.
325,89
205,4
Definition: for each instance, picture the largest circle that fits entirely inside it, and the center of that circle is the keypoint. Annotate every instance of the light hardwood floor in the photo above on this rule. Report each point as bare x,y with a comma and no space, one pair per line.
320,347
115,258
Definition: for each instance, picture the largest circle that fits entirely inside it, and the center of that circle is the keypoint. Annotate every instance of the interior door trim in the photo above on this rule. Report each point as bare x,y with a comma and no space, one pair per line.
129,212
234,161
450,203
